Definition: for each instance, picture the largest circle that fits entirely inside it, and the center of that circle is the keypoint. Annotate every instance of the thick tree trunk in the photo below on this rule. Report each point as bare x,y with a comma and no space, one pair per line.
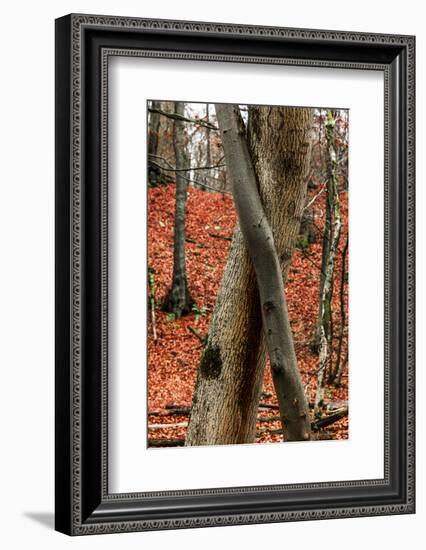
178,300
230,375
260,245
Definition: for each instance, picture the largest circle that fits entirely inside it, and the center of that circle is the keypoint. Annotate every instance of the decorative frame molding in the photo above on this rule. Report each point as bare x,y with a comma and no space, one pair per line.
84,44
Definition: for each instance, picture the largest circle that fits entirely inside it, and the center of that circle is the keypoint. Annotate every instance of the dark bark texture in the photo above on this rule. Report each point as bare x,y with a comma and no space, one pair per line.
334,373
326,328
179,300
154,128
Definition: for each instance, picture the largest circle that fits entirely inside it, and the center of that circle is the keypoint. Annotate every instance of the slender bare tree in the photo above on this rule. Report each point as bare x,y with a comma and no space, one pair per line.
326,332
178,299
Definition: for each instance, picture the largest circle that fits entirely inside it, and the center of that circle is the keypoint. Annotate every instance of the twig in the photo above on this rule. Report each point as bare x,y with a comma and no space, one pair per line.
318,424
179,410
197,334
175,116
312,374
165,426
268,406
311,202
184,411
166,442
306,255
193,168
191,241
330,419
220,237
200,183
266,394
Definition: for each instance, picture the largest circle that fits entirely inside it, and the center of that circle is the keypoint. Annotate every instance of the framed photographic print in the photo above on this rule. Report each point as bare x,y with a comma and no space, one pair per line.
234,274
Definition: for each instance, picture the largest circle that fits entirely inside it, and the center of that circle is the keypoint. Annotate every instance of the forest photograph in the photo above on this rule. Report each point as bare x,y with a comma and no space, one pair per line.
248,274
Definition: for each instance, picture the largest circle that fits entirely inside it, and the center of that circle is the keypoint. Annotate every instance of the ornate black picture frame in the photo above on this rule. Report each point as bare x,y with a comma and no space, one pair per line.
83,45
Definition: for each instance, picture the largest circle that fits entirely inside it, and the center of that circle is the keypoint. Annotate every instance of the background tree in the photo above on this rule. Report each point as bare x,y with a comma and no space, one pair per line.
336,373
321,171
333,224
153,128
179,301
231,370
160,146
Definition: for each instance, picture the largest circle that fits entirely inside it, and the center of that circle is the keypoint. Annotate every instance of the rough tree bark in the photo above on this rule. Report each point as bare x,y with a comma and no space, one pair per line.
208,147
342,328
259,241
154,127
229,381
178,299
326,243
342,369
327,290
154,173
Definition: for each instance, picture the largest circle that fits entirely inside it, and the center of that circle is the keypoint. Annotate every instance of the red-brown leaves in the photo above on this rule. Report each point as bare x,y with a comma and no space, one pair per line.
173,360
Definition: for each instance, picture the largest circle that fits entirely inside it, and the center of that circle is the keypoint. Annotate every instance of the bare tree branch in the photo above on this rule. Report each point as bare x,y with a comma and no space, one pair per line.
176,116
311,202
202,184
193,168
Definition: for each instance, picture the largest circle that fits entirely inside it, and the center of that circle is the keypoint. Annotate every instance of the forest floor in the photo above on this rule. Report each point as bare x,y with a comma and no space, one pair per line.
174,357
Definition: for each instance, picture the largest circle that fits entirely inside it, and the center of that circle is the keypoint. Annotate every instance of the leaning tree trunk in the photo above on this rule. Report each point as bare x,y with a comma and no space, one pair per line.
259,241
178,299
231,370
